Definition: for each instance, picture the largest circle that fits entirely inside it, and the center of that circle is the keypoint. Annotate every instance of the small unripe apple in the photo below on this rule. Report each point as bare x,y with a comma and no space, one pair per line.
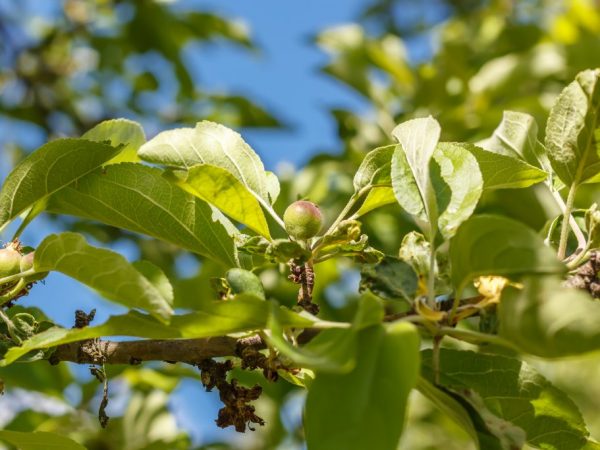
303,219
10,260
244,282
26,264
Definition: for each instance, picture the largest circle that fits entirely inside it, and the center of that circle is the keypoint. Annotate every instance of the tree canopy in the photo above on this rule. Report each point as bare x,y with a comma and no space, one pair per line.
456,265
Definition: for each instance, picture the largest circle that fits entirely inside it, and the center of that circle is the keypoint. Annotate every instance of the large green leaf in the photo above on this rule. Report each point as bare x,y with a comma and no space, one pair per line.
455,175
119,132
107,272
504,172
140,199
516,137
375,168
49,169
487,431
38,440
547,319
410,175
245,313
496,245
209,143
391,279
459,173
443,193
365,408
570,130
514,392
221,189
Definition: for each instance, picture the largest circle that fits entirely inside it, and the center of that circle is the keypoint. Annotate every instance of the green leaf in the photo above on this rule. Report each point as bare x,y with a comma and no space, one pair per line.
283,250
546,319
391,279
221,189
347,240
512,391
105,271
47,170
460,174
504,172
448,405
496,245
487,431
516,138
375,168
39,440
119,132
157,277
442,194
410,175
273,187
245,313
570,130
209,143
140,199
592,226
415,250
366,407
330,351
377,197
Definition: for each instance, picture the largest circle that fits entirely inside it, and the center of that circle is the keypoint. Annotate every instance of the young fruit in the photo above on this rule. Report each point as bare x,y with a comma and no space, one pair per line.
10,259
303,219
244,282
26,264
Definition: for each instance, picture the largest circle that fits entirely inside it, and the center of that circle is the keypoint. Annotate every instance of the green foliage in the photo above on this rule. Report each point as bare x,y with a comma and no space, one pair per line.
500,402
209,143
38,440
550,320
570,130
243,281
138,198
444,227
107,272
496,245
365,407
48,170
221,189
510,390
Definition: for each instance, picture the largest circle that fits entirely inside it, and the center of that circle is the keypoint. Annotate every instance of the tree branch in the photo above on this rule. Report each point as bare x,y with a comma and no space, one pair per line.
190,351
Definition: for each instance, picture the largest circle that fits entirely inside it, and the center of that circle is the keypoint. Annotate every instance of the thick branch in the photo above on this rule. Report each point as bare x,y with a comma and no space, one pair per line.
190,351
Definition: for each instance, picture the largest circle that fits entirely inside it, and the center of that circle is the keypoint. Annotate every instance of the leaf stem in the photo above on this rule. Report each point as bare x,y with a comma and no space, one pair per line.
13,292
564,228
431,277
353,200
476,338
16,276
581,240
437,341
271,211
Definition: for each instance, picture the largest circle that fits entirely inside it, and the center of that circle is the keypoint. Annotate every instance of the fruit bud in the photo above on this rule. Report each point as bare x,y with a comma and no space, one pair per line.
10,259
303,219
244,282
26,264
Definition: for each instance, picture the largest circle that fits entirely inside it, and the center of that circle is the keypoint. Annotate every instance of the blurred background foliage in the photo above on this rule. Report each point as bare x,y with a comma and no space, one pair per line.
463,61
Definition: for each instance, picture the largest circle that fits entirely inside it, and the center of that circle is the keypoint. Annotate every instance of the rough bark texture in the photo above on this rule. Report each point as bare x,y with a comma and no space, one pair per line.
190,351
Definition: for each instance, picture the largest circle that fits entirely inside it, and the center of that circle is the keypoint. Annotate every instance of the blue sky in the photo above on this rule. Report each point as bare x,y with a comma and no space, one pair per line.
284,75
